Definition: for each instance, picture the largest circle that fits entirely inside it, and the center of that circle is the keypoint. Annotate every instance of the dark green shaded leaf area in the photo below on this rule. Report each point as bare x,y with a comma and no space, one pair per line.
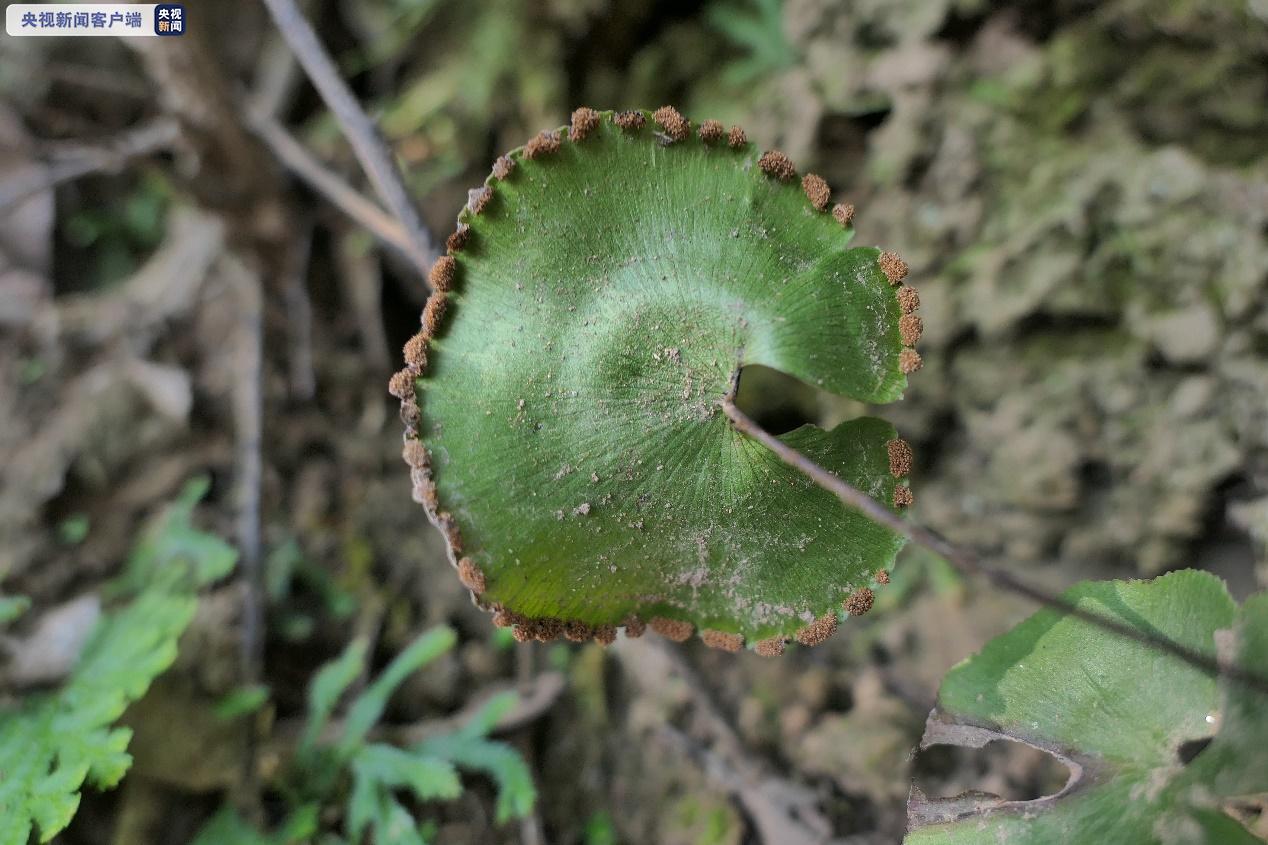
1120,714
608,297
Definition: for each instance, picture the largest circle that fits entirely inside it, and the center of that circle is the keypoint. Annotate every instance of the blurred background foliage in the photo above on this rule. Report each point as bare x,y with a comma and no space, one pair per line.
1081,189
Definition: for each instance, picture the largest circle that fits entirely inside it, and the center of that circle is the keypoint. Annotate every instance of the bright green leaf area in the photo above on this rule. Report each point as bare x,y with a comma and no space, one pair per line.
51,744
1119,713
610,293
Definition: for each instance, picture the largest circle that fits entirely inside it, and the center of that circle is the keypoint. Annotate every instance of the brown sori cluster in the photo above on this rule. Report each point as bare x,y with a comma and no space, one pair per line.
434,312
672,629
843,213
909,361
634,627
903,497
543,143
630,120
817,190
711,131
478,199
736,138
456,241
860,601
414,453
442,274
777,165
722,640
584,121
772,647
882,576
401,384
674,124
471,576
503,167
578,632
819,630
605,634
910,328
894,268
900,457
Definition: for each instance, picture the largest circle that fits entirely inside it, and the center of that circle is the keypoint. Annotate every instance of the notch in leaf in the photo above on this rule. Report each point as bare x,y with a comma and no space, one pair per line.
563,400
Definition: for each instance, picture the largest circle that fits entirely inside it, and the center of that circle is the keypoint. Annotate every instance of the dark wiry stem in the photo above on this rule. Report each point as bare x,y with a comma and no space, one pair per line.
371,151
969,564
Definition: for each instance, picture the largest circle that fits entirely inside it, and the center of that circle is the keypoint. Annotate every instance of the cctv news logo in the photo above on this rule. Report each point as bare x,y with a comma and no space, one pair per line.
109,19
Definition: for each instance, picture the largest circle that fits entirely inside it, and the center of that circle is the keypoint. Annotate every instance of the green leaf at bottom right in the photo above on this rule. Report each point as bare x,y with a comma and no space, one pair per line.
1123,717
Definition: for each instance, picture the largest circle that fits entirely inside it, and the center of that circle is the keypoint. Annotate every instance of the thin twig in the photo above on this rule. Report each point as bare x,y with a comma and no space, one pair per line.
248,400
374,155
299,316
74,161
305,165
969,564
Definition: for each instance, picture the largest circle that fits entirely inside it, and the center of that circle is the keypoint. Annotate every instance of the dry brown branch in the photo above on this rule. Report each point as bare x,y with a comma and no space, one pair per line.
375,157
968,564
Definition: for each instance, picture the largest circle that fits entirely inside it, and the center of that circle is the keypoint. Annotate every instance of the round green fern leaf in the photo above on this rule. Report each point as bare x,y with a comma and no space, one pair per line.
563,400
